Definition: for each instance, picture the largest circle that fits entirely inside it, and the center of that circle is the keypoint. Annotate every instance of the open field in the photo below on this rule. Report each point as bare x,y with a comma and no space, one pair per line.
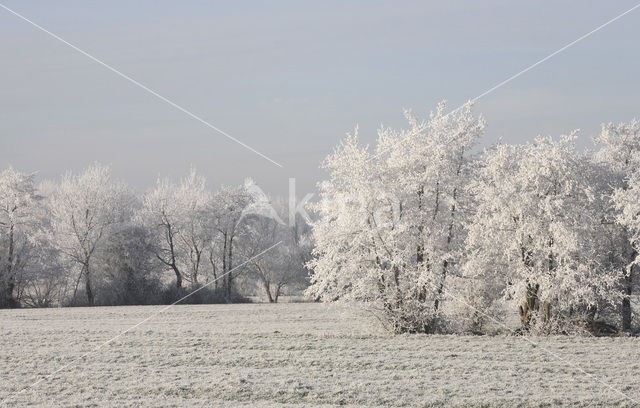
294,355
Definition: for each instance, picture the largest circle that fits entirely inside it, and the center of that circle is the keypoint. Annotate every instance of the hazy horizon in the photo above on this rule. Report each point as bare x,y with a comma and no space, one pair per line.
291,79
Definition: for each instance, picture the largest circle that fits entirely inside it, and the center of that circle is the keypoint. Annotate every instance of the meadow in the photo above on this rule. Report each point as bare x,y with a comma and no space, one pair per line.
296,355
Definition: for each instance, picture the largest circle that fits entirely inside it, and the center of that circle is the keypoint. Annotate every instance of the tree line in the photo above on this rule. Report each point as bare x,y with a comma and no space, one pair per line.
89,239
437,238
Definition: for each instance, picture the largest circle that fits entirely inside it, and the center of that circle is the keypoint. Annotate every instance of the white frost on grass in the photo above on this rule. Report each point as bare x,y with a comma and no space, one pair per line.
294,355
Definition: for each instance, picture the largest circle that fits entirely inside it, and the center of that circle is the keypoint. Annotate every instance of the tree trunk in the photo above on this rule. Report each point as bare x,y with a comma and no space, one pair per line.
178,276
278,290
626,301
196,266
420,249
230,266
213,269
267,290
87,286
422,295
265,283
224,262
172,253
8,300
445,263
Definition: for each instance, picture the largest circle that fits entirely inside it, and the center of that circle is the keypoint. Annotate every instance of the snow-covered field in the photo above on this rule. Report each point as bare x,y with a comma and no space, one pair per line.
294,355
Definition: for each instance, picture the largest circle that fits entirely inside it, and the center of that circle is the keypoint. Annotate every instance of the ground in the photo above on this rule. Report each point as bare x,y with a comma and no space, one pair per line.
295,355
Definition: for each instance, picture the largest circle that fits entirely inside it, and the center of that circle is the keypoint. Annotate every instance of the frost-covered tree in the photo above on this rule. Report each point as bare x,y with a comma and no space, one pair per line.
84,209
619,154
391,224
43,282
628,202
161,214
176,214
130,274
44,278
534,236
195,221
284,266
19,212
227,210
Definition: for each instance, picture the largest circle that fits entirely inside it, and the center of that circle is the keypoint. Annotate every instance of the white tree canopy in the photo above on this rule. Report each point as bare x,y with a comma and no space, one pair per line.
390,224
537,225
84,207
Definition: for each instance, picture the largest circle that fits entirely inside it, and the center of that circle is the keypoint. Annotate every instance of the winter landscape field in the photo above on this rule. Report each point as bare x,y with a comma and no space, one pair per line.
317,204
296,355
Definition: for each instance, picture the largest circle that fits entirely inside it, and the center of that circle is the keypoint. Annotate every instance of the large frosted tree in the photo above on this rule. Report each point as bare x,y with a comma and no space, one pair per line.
391,223
535,233
628,202
619,154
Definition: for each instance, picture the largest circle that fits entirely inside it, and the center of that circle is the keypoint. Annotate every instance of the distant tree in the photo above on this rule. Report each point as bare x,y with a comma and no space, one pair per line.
18,219
84,209
227,207
45,278
195,225
284,266
177,215
130,274
161,215
43,282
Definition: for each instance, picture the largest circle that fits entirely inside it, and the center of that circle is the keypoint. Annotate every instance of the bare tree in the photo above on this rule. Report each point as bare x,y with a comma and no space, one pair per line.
227,208
176,214
284,267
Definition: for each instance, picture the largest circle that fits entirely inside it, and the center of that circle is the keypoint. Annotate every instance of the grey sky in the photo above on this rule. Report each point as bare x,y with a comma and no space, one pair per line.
290,78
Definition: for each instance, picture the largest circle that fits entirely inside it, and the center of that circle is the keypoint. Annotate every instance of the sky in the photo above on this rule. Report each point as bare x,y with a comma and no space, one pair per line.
290,78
